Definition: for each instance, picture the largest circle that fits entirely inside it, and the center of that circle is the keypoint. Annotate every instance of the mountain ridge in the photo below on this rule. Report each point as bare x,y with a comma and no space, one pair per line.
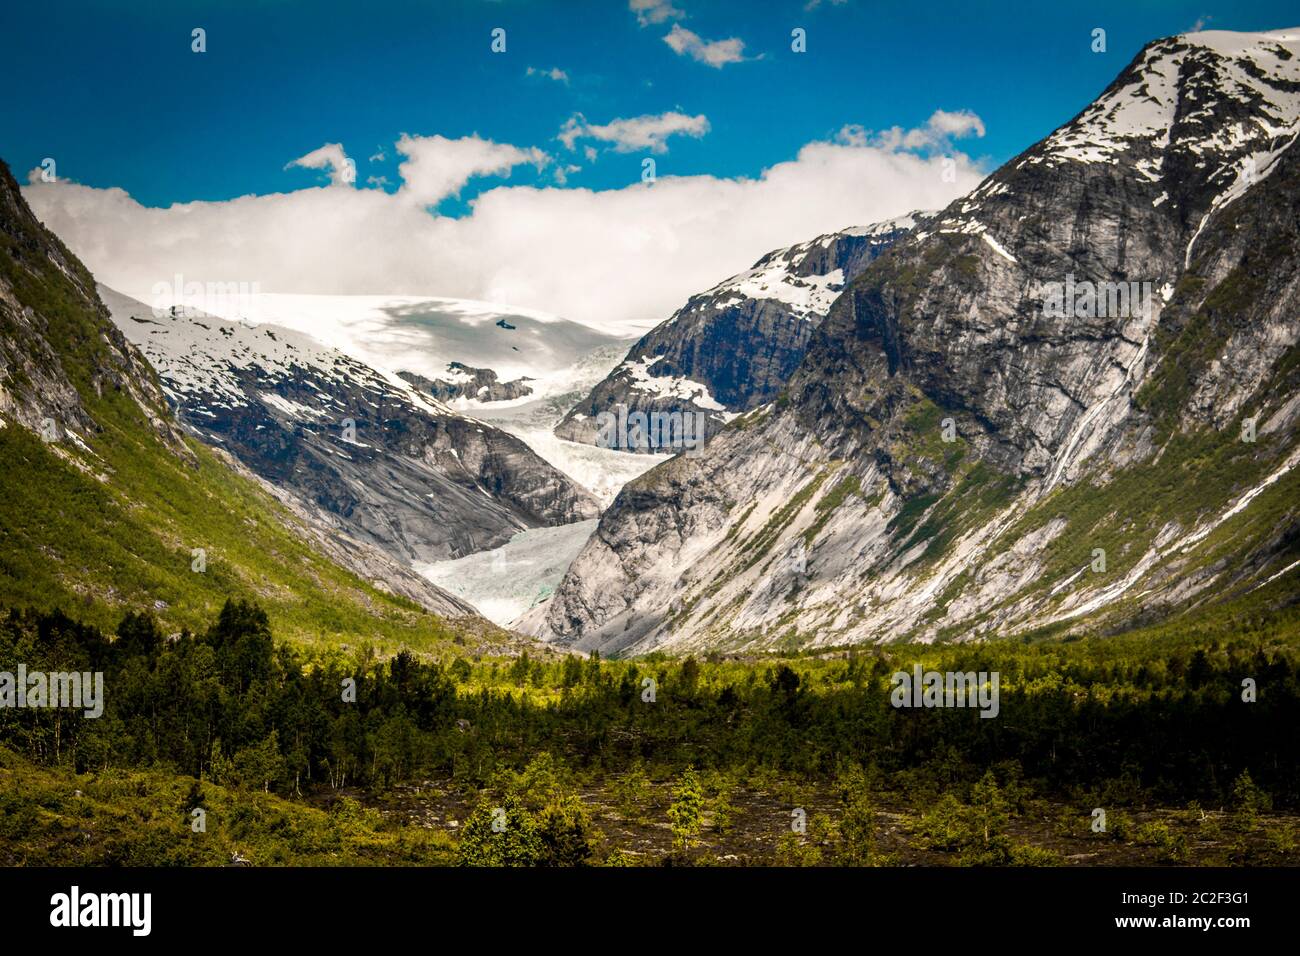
733,346
949,456
362,449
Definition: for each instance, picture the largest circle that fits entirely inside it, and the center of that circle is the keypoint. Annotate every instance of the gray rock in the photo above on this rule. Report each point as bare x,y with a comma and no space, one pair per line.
733,347
1096,477
480,384
365,454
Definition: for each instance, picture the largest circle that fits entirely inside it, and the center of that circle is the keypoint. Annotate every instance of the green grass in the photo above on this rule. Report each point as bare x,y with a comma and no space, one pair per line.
827,505
97,548
753,549
978,495
1195,476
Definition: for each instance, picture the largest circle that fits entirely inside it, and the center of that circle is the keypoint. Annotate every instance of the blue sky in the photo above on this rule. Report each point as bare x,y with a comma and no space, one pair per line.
119,99
516,177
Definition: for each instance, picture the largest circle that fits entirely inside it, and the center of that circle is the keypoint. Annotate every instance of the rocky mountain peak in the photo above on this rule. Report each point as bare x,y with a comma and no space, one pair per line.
364,450
1067,400
734,346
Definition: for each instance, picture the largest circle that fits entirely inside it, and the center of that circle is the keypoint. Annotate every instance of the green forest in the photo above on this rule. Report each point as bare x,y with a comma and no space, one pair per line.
1173,745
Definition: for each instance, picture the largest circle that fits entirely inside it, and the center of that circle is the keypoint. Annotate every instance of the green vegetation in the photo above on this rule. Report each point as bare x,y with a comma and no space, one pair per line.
69,540
1187,347
1125,514
910,514
753,548
128,817
560,761
686,812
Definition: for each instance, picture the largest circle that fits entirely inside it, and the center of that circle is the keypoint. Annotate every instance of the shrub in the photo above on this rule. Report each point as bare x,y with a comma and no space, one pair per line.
504,835
1248,802
857,829
568,836
1027,855
686,810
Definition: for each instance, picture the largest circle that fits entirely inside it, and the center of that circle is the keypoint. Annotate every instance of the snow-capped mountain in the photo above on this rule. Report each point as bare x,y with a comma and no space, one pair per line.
360,447
1070,402
541,363
733,347
425,335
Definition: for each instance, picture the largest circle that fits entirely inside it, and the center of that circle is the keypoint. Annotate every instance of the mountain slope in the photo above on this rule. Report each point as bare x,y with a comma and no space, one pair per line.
733,347
962,453
105,505
363,450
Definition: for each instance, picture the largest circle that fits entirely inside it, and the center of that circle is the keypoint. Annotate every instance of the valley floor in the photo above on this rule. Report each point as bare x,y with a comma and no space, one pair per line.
1171,746
138,818
755,830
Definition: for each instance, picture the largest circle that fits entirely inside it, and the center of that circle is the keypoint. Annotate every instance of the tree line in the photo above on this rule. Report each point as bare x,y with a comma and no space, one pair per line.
1158,716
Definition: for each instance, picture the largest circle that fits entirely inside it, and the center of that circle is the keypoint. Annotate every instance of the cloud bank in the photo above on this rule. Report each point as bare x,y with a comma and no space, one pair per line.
616,258
436,167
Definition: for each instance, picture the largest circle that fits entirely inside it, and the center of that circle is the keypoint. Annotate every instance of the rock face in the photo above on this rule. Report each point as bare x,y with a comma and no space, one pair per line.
365,453
733,347
369,562
1069,402
462,381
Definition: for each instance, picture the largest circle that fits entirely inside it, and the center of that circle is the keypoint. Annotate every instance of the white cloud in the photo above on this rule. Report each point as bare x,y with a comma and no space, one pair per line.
614,257
714,53
937,134
437,167
960,123
649,132
554,73
650,12
331,157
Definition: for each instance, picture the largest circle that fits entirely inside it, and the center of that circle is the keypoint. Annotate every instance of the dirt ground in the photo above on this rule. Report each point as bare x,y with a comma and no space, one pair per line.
758,820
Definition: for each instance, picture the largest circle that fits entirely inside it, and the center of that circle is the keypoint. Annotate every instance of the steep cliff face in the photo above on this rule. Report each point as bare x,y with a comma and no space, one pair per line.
56,340
733,347
365,452
1068,401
